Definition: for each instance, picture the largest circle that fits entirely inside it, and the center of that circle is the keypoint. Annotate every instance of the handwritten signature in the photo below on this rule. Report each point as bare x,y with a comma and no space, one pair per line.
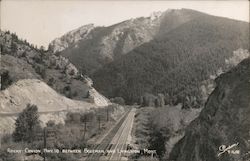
223,149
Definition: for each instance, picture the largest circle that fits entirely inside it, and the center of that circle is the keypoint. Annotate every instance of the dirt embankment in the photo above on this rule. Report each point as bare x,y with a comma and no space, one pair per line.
51,105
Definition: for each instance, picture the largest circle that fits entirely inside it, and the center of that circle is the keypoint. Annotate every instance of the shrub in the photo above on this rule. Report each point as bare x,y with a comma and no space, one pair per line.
40,70
24,54
74,118
37,58
6,156
160,100
148,100
50,123
75,94
118,100
67,91
51,81
157,140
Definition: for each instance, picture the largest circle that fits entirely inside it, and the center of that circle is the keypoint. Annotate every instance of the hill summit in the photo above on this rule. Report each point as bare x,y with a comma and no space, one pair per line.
89,47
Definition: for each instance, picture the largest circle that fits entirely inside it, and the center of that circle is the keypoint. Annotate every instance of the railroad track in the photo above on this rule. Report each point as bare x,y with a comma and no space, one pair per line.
119,142
105,143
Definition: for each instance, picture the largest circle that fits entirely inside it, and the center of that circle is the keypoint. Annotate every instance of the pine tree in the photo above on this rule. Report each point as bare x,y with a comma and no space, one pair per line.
5,79
13,46
27,124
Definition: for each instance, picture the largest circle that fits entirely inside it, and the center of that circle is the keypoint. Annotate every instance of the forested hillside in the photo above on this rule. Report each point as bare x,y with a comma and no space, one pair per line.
175,63
89,47
22,60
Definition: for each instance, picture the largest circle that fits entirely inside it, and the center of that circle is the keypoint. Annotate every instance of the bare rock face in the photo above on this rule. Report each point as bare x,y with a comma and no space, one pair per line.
93,95
71,37
224,121
98,99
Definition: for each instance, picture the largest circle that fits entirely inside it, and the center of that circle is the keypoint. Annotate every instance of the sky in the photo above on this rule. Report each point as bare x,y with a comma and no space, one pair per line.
41,21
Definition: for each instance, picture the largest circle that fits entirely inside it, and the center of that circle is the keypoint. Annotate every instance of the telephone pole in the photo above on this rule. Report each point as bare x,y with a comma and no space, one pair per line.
99,121
44,142
0,140
1,136
107,114
85,128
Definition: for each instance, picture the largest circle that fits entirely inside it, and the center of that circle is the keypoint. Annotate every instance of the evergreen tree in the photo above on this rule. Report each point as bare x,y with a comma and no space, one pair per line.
5,79
27,124
13,46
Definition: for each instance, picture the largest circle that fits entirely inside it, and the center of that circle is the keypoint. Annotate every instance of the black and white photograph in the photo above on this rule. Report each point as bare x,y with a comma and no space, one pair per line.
124,80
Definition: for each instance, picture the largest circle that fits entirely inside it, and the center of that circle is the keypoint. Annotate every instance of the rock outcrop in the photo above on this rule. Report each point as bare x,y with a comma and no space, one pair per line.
71,38
224,121
97,98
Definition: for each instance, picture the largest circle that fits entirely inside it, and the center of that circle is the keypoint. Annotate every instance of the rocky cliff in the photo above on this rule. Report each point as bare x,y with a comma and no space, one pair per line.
71,38
223,122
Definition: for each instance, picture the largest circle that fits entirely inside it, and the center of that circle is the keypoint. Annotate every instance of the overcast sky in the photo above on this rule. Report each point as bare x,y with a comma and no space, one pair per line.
40,21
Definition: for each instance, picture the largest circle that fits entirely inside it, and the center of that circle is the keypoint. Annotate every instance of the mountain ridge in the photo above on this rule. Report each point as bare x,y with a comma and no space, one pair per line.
199,47
106,44
70,38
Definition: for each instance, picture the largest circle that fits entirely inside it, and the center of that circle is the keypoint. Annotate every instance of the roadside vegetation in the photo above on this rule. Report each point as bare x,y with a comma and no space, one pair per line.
80,130
160,128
